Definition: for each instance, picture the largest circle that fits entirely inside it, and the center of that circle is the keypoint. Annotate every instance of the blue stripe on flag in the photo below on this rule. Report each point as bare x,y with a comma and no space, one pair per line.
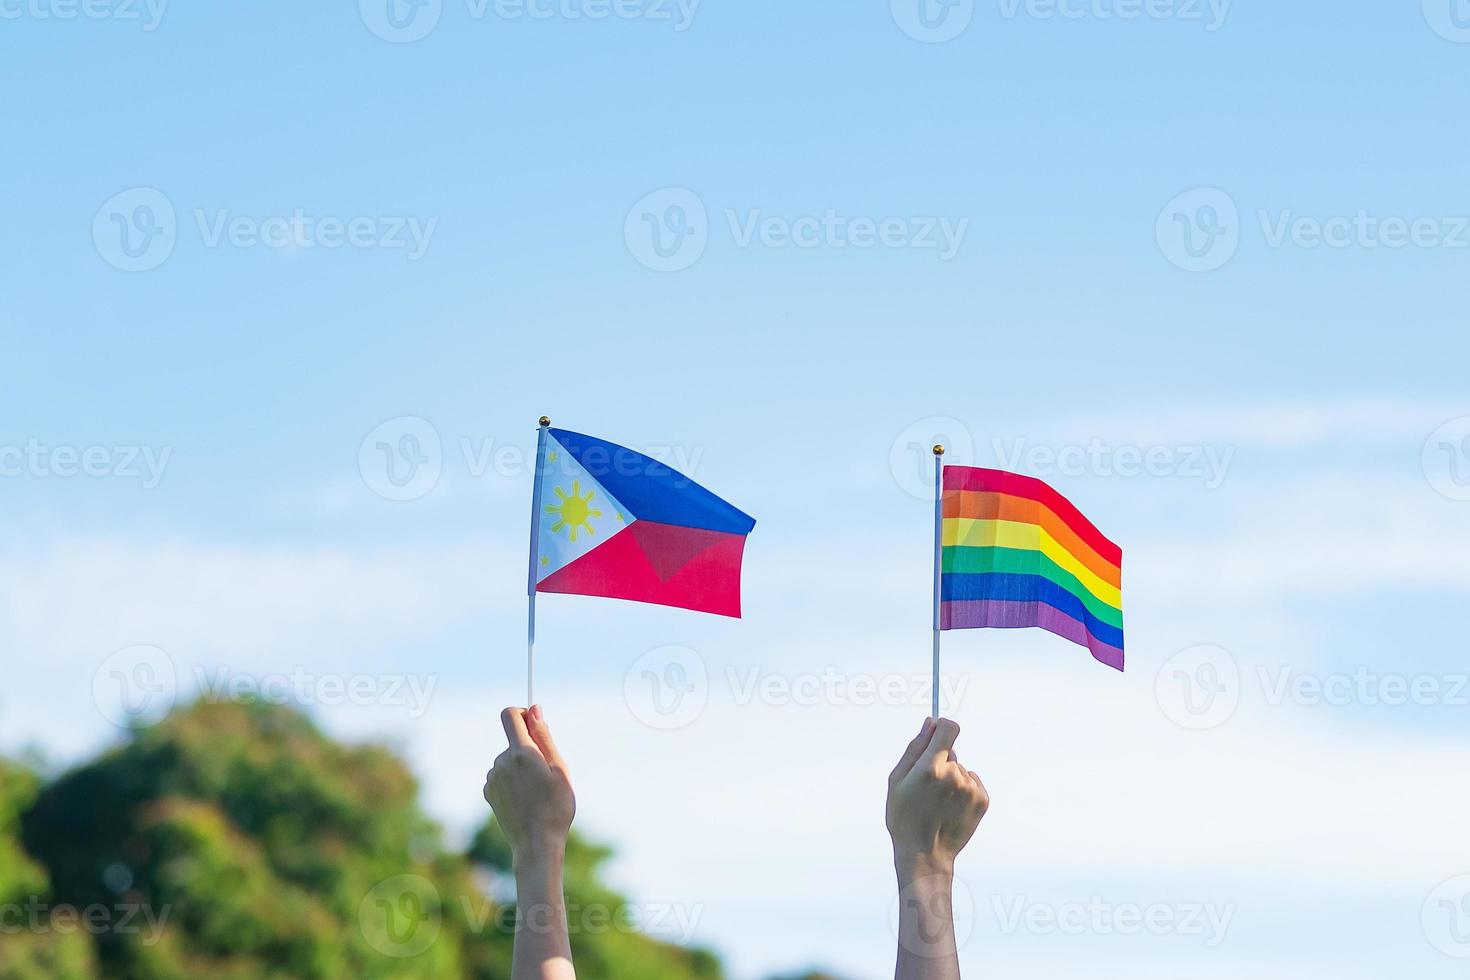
1027,588
650,490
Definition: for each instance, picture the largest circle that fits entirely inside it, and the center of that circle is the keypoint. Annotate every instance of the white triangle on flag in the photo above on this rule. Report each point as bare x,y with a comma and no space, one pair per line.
576,512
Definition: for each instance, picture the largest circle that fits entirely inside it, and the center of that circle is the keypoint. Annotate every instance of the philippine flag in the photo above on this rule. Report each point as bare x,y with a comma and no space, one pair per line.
613,522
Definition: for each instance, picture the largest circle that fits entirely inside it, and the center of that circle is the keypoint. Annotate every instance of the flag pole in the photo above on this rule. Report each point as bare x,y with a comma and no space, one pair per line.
531,563
938,562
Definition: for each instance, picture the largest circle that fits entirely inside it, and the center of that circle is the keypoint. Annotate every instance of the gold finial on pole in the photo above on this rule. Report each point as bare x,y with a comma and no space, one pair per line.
545,421
939,450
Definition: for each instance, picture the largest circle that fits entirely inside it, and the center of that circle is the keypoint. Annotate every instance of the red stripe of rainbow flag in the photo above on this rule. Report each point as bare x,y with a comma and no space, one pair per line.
1016,553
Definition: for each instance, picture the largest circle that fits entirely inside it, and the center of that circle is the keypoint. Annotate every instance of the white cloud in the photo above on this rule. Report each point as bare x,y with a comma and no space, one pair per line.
778,810
1313,538
79,599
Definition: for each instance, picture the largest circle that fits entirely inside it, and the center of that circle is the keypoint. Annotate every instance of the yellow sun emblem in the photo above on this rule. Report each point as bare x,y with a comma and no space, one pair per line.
574,511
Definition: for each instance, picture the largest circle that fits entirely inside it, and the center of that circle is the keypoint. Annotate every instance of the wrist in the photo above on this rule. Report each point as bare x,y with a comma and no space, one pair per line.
539,855
541,912
929,866
926,928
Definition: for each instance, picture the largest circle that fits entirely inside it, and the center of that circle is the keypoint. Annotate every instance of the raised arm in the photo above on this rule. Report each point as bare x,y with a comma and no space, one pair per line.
934,806
531,794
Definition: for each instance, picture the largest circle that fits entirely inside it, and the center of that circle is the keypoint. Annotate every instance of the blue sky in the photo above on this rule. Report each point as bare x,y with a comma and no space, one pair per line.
1004,241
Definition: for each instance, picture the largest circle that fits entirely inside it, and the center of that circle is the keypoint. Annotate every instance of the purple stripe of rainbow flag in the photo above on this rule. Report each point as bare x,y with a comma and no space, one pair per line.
1018,554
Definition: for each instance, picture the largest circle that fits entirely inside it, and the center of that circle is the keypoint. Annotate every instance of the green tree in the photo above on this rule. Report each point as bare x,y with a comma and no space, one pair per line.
34,944
259,848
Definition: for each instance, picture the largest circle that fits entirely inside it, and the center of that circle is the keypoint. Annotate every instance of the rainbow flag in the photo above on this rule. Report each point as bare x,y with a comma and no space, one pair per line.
1016,553
609,521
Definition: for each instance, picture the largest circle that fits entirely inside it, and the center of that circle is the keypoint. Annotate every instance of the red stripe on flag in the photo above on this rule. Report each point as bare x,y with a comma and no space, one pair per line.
999,481
663,564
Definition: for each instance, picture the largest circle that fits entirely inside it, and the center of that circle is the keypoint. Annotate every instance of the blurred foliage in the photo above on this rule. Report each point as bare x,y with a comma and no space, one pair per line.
20,877
33,944
235,841
600,921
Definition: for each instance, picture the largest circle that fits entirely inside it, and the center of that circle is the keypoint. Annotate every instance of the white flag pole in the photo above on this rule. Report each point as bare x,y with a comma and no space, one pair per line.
531,573
938,561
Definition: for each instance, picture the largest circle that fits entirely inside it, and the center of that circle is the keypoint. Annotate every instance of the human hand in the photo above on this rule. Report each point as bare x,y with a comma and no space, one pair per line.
529,788
934,803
